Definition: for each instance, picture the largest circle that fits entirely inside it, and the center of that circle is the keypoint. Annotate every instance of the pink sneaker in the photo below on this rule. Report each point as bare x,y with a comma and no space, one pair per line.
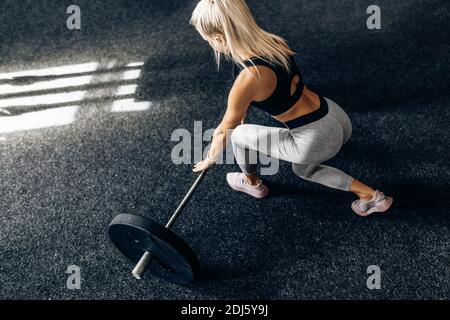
378,203
236,182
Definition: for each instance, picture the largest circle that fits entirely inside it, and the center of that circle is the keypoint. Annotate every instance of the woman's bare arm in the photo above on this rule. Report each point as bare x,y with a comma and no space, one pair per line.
241,95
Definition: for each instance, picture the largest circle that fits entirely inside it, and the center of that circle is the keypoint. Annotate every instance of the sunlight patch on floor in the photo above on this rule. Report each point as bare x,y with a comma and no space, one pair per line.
39,119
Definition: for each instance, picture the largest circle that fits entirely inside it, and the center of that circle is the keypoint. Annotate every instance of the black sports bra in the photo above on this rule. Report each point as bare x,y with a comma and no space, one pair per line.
281,99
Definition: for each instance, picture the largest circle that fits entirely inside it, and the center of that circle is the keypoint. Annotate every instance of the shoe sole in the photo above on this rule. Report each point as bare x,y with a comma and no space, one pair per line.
383,208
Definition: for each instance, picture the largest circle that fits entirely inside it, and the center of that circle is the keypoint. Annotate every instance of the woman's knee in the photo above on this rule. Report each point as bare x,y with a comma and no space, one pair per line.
298,169
239,134
236,133
304,171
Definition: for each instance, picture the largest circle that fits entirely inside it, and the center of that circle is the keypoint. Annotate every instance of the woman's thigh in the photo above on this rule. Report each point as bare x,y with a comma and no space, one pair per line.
271,141
310,144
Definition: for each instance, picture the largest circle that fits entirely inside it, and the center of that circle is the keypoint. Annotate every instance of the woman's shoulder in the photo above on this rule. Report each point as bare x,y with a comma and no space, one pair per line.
259,81
253,66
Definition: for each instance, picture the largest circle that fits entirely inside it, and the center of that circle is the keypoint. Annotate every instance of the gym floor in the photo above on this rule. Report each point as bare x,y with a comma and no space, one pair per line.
72,160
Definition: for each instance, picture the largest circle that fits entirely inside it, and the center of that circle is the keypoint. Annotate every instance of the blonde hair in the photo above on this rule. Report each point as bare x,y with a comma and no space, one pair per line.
233,20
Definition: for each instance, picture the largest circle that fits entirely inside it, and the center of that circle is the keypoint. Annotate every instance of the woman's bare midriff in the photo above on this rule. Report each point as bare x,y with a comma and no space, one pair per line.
308,103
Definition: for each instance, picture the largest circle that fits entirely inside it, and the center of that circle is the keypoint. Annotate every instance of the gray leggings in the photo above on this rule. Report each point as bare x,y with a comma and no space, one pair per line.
306,146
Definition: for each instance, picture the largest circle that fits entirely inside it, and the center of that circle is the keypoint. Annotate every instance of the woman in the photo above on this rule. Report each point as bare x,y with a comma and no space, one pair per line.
316,127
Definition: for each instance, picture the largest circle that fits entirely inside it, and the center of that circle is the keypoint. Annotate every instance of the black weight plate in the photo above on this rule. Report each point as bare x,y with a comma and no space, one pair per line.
174,260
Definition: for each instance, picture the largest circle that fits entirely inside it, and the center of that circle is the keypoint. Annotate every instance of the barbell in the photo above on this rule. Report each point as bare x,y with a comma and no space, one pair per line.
154,247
